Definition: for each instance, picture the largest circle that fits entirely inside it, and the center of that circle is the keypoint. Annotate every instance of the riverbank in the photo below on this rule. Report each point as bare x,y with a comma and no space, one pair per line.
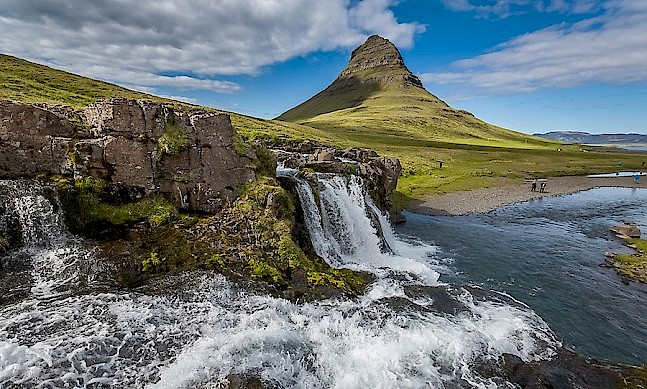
488,199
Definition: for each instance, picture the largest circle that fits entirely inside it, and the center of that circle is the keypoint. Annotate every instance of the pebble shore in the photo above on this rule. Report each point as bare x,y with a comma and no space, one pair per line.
488,199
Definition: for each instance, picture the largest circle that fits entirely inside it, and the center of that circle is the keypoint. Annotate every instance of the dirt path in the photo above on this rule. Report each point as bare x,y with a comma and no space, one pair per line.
487,199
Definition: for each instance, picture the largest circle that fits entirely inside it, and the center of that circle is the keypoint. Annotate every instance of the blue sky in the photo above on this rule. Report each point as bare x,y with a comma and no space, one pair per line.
528,65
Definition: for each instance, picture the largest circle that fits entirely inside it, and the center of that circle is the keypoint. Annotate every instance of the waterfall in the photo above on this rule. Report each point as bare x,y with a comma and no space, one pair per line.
41,222
52,253
348,230
194,329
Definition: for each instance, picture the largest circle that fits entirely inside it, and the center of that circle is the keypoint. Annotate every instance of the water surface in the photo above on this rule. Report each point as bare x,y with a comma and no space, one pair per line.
547,253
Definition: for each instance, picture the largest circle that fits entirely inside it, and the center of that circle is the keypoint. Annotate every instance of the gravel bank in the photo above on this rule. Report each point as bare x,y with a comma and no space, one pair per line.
487,199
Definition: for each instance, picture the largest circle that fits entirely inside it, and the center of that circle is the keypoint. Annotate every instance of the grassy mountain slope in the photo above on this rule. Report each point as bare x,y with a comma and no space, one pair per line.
376,102
377,95
485,157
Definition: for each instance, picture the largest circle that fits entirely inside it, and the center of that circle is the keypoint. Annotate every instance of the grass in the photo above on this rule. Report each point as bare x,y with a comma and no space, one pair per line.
406,122
632,266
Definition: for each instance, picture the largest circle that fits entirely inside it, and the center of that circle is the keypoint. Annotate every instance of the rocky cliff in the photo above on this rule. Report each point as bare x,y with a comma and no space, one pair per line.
136,147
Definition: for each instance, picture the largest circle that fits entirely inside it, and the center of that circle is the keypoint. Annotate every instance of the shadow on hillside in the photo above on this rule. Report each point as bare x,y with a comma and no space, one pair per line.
347,92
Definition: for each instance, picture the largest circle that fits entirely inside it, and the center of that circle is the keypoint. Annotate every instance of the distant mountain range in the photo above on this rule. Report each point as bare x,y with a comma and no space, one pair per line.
595,139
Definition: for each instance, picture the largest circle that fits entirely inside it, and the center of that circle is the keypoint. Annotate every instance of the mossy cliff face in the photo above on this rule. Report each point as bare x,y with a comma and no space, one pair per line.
250,242
136,148
164,190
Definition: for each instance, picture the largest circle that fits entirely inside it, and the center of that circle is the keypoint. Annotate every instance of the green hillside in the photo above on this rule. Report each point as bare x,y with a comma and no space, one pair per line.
387,109
29,82
376,95
376,102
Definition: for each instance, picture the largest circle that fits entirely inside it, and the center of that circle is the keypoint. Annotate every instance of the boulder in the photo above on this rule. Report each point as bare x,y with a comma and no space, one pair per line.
626,229
323,155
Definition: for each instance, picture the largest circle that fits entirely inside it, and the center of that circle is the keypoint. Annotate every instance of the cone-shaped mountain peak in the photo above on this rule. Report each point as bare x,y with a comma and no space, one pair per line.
378,59
375,67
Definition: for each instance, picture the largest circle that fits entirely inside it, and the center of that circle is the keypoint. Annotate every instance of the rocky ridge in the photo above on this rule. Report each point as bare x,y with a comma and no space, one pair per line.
380,174
379,54
136,147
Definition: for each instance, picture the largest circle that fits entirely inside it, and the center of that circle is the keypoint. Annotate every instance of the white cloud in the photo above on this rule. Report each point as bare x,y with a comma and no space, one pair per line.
611,48
506,8
139,43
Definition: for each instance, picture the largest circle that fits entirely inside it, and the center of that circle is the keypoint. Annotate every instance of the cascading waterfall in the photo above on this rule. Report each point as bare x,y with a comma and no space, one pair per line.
53,254
342,230
392,337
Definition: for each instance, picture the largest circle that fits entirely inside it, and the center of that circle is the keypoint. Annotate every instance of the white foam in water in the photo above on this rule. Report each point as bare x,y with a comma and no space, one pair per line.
342,232
133,340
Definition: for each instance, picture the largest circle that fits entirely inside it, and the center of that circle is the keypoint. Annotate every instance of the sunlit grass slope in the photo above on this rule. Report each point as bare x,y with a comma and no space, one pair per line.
29,82
466,164
376,102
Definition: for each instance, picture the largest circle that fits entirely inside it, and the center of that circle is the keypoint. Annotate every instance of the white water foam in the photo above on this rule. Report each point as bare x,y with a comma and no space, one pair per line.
134,340
343,234
54,254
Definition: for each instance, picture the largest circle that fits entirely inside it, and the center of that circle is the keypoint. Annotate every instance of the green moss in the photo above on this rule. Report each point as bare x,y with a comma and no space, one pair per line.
261,269
633,377
4,244
633,266
82,206
265,164
152,262
240,144
174,140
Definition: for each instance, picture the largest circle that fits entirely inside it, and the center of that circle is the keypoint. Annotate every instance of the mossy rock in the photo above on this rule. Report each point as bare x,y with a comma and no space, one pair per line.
632,266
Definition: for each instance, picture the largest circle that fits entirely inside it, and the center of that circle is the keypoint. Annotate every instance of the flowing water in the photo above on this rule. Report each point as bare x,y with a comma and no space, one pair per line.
547,253
409,330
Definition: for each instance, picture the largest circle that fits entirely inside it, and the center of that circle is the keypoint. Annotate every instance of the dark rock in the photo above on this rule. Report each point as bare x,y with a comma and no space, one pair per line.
239,381
323,155
565,370
306,147
442,300
122,146
328,167
30,140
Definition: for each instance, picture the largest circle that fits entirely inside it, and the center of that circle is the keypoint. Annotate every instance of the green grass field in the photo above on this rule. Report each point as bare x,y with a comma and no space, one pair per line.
408,123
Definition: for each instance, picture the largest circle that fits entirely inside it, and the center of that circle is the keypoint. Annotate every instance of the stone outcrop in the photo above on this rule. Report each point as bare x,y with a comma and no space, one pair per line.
379,173
378,52
136,147
626,229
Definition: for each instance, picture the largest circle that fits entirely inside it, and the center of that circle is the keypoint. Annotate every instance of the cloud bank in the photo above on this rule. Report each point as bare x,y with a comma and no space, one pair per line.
506,8
611,48
187,45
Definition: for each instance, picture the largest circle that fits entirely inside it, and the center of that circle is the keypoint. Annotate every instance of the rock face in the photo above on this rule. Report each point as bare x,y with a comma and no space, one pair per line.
378,52
137,147
626,229
379,173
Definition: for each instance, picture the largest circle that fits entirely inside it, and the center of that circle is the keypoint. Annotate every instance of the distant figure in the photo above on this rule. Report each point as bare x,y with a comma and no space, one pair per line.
533,186
636,178
643,163
542,187
441,164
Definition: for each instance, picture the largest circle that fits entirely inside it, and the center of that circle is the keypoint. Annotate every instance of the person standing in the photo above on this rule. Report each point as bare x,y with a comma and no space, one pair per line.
542,188
533,186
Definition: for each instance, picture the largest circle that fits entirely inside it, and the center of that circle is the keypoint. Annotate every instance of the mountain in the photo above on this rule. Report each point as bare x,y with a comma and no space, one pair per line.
29,82
595,139
377,94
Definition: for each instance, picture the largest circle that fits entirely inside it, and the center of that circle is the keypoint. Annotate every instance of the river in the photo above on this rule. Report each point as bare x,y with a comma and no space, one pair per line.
449,296
547,253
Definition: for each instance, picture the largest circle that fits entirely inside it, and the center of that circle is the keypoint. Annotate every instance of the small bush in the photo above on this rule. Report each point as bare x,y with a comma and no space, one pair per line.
174,140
